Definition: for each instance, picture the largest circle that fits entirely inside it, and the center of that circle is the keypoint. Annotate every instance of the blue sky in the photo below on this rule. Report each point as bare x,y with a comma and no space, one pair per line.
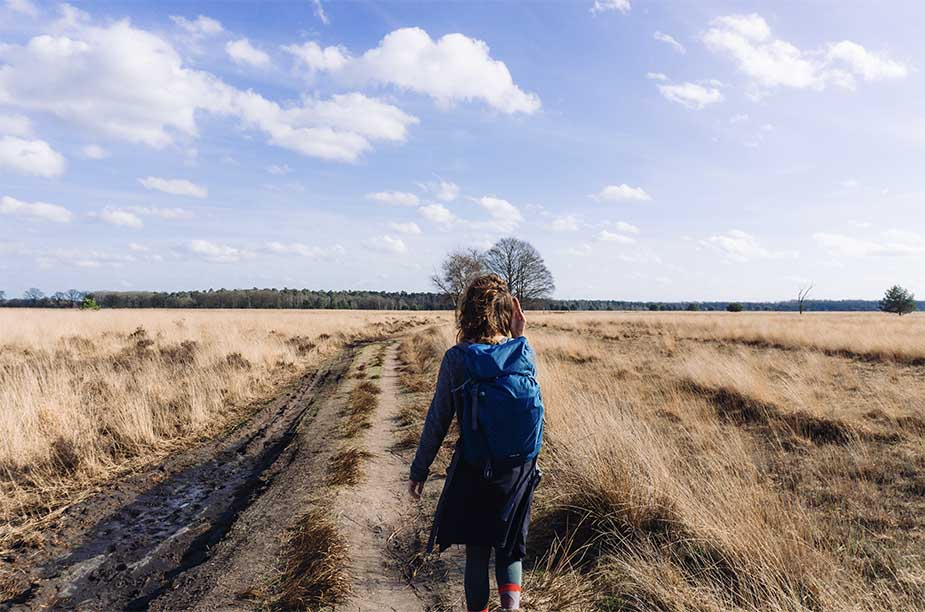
650,150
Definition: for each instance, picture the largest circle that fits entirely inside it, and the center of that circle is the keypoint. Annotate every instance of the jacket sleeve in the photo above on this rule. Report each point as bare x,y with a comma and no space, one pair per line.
438,421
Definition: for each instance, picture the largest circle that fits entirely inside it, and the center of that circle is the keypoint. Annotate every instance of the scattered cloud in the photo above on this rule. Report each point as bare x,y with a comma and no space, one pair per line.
656,76
217,253
438,213
24,7
279,169
891,243
445,191
200,27
400,198
116,216
691,95
34,210
619,193
670,40
739,118
243,52
178,187
606,6
387,244
303,250
411,228
94,152
771,62
567,223
71,75
452,69
740,246
15,125
319,12
626,228
35,157
606,236
504,215
581,250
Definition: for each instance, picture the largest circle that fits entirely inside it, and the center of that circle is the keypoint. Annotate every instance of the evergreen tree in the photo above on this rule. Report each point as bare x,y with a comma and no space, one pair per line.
897,300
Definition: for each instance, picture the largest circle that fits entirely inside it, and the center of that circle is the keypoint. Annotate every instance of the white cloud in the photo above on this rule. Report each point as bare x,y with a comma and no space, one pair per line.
741,117
690,95
582,250
504,215
438,213
200,27
179,187
319,59
94,152
451,69
626,228
411,228
35,210
568,223
387,244
669,40
279,169
604,6
24,7
132,85
297,248
445,191
163,213
218,253
15,125
35,157
656,76
243,52
606,236
116,216
741,246
401,198
771,62
319,12
623,192
891,243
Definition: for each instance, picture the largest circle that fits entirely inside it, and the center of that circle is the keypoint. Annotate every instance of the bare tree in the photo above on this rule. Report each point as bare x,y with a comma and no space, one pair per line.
75,297
459,267
34,294
2,295
522,267
801,297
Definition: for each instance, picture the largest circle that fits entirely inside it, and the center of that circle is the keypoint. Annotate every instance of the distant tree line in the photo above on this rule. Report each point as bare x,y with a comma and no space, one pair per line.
384,300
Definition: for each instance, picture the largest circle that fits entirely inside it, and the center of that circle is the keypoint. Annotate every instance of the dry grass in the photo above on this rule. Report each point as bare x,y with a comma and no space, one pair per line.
729,462
314,566
88,396
360,405
346,466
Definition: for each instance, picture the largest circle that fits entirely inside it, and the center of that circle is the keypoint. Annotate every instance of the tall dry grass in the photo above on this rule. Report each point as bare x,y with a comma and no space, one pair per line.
86,396
721,462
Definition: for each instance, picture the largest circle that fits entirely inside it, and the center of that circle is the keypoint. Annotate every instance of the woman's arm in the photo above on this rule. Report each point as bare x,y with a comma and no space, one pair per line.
438,421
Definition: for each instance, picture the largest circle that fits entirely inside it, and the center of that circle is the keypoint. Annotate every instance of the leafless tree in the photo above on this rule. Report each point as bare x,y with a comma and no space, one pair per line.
522,267
34,294
801,297
459,267
75,297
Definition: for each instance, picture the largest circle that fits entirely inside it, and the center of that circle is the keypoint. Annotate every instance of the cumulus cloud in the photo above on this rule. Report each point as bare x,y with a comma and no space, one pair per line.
892,243
606,236
131,216
740,246
15,125
200,27
35,157
24,7
606,6
445,191
34,210
387,244
243,52
411,228
669,40
452,69
179,187
116,216
217,253
691,95
504,215
771,62
94,152
626,228
132,85
438,213
656,76
303,250
400,198
567,223
622,192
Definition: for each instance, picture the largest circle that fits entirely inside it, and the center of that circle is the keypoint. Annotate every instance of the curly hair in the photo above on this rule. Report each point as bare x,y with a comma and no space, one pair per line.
485,310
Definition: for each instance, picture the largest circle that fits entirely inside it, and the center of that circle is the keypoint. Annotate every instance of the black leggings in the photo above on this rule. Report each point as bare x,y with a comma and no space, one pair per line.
508,572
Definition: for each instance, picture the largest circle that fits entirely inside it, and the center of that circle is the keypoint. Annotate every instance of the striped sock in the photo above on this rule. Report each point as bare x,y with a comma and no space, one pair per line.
510,596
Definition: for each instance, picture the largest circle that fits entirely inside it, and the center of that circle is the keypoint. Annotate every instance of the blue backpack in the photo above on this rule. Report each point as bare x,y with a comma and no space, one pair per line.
502,411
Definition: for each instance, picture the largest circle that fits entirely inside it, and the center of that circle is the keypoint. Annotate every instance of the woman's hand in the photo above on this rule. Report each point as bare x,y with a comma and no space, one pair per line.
415,489
518,321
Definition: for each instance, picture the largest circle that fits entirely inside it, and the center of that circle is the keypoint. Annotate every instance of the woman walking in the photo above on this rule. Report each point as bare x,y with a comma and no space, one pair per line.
487,381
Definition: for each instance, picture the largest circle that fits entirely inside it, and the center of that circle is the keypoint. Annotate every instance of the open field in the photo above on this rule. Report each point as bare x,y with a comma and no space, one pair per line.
694,461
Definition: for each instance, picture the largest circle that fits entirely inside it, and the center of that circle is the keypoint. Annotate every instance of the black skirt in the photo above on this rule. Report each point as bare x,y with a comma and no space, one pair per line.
493,511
